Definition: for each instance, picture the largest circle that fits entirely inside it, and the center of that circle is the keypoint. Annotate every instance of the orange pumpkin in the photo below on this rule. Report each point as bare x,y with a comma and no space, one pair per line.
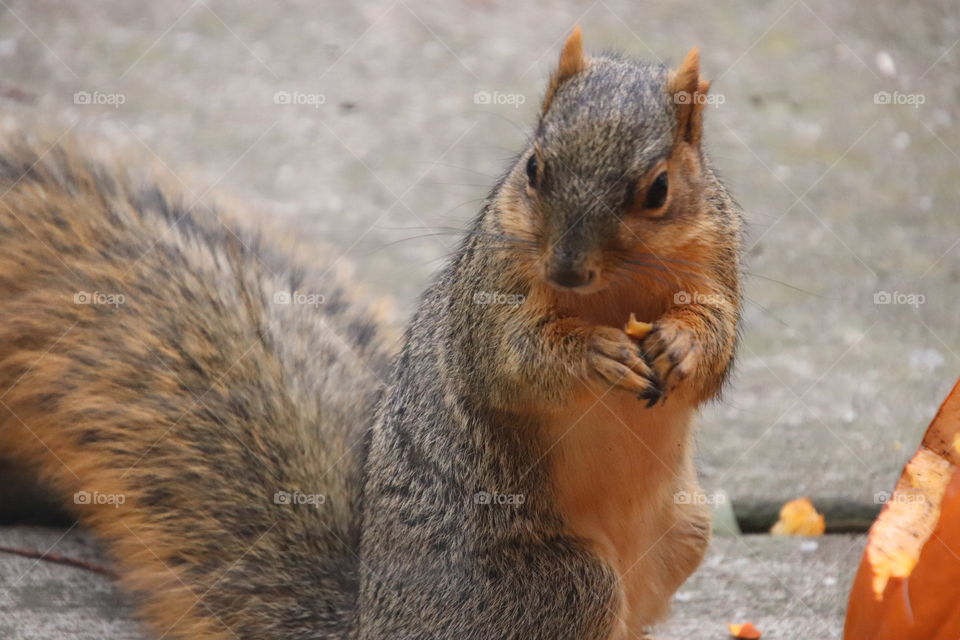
908,583
745,631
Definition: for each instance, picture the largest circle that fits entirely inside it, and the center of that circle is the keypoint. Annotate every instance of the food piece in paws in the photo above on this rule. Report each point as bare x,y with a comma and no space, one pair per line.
636,329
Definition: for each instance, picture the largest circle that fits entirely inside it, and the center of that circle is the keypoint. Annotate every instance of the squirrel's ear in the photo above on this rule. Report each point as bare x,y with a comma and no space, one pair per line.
572,61
689,94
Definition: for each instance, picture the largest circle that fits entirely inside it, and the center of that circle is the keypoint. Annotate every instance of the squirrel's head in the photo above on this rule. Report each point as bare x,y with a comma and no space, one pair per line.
613,174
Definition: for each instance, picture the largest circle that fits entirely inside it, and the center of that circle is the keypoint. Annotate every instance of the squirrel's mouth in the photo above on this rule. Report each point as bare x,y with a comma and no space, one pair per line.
580,281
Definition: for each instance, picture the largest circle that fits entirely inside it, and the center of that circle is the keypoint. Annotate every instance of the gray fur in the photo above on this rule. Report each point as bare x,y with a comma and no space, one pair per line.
434,563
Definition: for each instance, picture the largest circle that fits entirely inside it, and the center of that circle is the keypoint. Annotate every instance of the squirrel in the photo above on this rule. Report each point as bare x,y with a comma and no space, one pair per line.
518,471
529,461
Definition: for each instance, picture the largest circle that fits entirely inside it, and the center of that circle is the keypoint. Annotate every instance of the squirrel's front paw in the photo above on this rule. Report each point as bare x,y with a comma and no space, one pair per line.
617,360
673,353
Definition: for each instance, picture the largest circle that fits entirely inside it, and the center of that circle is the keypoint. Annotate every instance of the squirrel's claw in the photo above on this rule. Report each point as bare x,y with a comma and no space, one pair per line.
653,396
617,361
672,352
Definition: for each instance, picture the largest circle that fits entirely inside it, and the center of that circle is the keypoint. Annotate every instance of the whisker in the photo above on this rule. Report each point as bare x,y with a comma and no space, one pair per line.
653,256
416,237
672,284
459,231
765,310
664,259
472,185
647,274
468,169
789,286
671,270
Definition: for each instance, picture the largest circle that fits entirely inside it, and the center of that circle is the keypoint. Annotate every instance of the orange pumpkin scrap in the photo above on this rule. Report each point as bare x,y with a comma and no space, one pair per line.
745,631
637,329
799,518
908,583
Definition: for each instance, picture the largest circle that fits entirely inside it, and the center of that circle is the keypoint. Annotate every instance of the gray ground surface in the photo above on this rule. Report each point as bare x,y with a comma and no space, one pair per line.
40,600
847,197
788,587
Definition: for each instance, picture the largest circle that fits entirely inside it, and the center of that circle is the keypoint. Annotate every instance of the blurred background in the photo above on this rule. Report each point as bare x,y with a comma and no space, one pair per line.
377,126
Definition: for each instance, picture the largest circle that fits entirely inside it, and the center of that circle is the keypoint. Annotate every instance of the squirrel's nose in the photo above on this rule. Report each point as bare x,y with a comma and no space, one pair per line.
571,278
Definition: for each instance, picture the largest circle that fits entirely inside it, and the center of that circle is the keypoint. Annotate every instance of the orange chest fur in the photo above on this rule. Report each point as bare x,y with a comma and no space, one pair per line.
616,467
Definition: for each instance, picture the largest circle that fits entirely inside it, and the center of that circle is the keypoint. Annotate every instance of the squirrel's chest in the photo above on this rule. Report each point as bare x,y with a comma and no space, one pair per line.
616,467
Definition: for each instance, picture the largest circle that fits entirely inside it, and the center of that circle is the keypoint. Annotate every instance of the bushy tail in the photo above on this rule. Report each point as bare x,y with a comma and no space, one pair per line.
197,398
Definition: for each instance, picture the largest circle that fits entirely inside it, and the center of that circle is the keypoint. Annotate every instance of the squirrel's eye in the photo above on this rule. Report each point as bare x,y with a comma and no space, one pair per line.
532,170
657,192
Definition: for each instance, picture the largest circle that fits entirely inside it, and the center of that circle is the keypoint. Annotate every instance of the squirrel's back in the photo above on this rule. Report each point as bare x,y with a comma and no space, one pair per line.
195,394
